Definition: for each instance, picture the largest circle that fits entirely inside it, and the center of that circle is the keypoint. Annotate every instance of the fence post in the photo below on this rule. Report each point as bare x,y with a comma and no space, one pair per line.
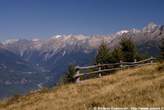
151,61
77,73
121,64
135,61
99,65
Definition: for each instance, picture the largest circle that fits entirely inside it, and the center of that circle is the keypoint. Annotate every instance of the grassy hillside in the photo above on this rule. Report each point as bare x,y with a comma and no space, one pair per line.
141,86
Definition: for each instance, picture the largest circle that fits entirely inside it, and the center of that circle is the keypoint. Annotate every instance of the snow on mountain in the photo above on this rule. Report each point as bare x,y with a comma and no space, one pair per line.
150,27
35,40
56,36
10,41
122,32
36,44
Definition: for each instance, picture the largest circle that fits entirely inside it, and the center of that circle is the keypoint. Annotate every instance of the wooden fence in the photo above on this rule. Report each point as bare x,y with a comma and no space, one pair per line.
87,72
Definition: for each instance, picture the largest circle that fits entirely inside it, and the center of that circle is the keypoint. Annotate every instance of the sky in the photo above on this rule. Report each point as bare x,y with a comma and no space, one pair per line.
45,18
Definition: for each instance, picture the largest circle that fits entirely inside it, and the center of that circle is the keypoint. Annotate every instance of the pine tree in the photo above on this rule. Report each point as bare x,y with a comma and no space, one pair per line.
128,48
162,47
103,54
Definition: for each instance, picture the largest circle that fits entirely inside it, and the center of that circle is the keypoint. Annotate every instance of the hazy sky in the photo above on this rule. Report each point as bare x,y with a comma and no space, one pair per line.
45,18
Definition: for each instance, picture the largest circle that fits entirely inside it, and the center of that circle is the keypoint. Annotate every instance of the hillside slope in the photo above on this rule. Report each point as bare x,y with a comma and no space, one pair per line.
140,86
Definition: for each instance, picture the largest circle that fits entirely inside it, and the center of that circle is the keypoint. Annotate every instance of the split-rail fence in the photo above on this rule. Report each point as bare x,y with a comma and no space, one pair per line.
99,70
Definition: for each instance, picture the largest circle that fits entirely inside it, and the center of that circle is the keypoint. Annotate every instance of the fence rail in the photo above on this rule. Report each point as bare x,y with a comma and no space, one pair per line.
104,69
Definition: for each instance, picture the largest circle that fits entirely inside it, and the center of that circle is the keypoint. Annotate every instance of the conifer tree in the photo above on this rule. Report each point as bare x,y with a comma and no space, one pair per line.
103,54
128,48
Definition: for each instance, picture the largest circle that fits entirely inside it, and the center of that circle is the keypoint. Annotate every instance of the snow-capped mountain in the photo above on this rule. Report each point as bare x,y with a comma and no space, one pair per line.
55,44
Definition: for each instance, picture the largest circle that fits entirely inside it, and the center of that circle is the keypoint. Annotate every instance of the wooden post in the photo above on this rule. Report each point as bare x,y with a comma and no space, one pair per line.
77,73
151,61
99,69
135,62
121,64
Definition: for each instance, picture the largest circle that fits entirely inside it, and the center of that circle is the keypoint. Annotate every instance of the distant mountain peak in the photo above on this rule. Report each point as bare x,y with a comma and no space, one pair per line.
56,36
151,26
122,32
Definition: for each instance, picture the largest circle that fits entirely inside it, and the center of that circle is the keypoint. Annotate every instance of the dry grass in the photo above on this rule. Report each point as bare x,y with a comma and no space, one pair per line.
143,86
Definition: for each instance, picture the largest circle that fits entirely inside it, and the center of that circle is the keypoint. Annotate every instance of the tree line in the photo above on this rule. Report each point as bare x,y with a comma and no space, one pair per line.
125,51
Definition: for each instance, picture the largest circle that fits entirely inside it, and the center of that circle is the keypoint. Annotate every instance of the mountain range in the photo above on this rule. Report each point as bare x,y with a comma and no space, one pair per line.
31,64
